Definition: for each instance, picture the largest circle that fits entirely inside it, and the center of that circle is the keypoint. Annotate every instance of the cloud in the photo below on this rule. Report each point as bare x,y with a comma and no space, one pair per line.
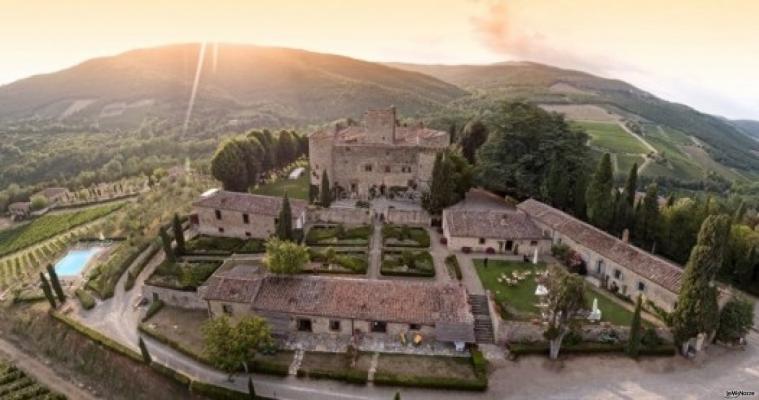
501,33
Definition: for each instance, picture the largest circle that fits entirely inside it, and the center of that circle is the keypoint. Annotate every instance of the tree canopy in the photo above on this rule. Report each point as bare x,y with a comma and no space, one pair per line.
285,257
285,220
230,346
566,297
524,144
600,207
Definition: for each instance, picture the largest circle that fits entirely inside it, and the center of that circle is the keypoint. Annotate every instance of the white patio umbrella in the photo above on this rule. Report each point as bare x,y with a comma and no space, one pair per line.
595,314
541,290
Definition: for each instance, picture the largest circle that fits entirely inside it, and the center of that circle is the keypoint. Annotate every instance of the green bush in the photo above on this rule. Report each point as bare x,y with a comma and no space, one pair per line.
133,273
419,263
212,245
338,236
85,299
402,233
541,348
182,275
155,306
448,383
347,375
452,262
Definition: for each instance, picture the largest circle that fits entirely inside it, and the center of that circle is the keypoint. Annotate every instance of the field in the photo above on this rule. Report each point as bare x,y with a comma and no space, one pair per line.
612,137
15,384
295,188
50,225
520,300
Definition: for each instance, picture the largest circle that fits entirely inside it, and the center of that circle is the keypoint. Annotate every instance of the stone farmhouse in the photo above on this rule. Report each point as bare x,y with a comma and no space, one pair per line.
242,215
53,195
615,263
377,156
484,222
20,210
341,307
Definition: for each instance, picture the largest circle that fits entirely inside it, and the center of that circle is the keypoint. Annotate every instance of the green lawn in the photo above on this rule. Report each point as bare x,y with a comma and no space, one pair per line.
50,225
612,137
295,188
521,297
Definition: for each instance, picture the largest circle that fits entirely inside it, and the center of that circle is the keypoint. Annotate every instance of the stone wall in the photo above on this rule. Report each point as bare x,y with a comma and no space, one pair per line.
524,247
358,168
348,216
320,158
516,331
232,224
175,298
408,217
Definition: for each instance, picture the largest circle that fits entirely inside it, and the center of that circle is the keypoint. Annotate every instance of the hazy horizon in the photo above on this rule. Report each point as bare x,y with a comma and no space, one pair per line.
694,52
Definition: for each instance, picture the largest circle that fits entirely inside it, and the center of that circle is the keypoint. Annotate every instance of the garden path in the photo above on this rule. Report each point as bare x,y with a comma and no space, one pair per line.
375,251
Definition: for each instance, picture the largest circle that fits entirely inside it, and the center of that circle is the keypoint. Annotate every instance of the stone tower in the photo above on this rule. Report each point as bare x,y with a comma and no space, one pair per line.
380,125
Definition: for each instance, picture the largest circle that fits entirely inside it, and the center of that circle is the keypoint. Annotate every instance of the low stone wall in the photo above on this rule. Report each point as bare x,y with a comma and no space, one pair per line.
408,217
349,216
176,298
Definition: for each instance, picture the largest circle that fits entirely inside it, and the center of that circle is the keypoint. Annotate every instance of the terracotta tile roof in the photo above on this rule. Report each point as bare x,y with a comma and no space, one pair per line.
22,206
667,274
491,224
391,301
249,203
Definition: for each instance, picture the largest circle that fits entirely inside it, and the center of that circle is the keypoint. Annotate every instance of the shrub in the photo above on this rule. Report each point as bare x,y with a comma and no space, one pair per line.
735,320
85,299
572,338
443,240
155,306
453,264
490,250
650,338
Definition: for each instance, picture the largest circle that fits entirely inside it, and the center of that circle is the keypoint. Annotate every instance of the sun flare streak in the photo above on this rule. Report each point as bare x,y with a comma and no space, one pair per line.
195,83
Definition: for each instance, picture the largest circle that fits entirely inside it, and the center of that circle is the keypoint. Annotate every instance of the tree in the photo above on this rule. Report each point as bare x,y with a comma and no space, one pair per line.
229,346
633,343
166,242
524,140
287,148
268,145
251,389
625,209
647,222
285,220
284,257
451,179
145,354
38,202
325,197
566,298
56,283
697,310
397,396
735,320
178,234
556,186
228,165
598,195
46,290
474,135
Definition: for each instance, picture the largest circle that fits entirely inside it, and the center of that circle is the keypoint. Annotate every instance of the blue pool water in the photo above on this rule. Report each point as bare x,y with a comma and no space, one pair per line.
74,261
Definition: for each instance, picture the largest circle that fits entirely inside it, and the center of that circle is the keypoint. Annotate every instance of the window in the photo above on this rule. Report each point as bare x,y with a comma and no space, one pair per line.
334,325
221,230
247,234
533,243
617,274
245,219
387,168
227,308
304,325
379,326
368,167
482,241
218,214
641,286
414,327
509,245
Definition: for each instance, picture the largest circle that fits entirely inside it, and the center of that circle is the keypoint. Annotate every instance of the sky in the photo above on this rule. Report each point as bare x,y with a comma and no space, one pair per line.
704,53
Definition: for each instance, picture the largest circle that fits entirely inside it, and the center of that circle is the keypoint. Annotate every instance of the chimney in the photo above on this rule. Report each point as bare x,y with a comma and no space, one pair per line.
626,236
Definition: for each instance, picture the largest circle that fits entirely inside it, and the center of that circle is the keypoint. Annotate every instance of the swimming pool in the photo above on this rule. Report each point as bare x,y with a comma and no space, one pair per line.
74,262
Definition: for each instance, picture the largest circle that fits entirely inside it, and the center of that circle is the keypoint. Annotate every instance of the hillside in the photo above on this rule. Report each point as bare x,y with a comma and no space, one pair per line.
587,94
241,84
748,127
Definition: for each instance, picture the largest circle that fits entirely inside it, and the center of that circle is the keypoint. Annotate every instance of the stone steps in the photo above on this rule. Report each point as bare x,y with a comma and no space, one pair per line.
483,325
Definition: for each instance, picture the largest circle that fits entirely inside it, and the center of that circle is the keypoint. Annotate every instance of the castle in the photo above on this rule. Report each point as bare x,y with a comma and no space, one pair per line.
376,157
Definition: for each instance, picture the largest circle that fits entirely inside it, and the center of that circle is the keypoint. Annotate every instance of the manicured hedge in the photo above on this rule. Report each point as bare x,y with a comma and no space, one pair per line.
103,279
390,379
133,273
98,337
453,264
346,375
85,298
542,348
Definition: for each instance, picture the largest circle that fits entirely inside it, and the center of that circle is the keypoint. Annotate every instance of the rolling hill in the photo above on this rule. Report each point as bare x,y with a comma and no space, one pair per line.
584,96
238,82
748,127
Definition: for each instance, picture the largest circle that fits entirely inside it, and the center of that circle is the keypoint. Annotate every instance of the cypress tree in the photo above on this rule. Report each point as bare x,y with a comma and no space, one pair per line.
251,389
145,354
633,343
325,197
178,234
56,284
598,196
631,185
648,219
697,310
166,242
46,289
442,185
285,221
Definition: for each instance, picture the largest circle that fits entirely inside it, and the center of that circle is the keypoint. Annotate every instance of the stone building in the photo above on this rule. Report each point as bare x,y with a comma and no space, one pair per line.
242,215
377,156
53,195
341,306
484,222
615,263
